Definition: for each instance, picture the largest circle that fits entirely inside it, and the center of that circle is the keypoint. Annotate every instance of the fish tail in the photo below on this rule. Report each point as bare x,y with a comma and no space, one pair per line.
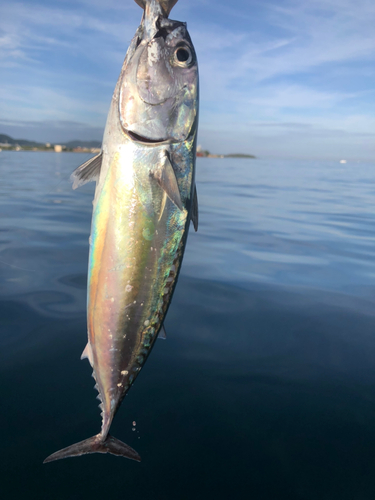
166,5
96,444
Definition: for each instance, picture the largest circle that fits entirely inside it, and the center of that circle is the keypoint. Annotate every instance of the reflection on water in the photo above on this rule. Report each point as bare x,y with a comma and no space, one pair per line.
265,387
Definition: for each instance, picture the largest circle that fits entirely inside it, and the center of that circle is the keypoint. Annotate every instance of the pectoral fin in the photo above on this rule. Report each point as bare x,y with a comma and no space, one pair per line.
164,175
88,171
194,210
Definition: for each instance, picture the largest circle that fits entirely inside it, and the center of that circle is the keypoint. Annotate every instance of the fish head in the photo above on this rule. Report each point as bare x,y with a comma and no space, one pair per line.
158,99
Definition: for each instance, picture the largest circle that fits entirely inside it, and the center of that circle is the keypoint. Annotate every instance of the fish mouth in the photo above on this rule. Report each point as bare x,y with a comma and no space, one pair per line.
145,140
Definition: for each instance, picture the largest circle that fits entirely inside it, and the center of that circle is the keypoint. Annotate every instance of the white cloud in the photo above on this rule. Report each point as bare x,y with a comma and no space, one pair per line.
27,30
344,31
287,73
39,103
278,71
295,96
325,31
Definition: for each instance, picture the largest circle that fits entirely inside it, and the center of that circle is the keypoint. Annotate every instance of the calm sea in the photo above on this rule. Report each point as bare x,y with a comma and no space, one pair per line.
265,386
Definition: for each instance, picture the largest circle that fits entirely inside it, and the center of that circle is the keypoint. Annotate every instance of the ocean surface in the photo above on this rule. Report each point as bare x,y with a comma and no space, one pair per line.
265,386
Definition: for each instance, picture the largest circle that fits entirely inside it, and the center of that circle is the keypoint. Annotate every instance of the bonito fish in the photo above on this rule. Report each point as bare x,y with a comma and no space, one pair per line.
144,201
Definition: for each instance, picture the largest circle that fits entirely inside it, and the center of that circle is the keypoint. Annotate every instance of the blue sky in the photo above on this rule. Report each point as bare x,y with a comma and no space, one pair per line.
288,78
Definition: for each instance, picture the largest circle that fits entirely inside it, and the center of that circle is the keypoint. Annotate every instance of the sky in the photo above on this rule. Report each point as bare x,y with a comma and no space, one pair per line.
280,78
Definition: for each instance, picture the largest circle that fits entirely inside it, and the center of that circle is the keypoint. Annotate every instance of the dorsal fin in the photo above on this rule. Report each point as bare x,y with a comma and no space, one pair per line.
88,171
165,176
166,5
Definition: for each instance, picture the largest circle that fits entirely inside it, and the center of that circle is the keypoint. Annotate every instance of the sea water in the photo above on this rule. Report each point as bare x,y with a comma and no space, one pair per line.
265,386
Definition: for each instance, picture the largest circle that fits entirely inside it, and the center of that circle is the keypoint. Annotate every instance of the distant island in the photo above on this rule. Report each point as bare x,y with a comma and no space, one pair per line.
239,155
10,144
201,153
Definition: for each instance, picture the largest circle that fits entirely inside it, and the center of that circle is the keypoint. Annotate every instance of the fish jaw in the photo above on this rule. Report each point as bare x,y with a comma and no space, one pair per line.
137,242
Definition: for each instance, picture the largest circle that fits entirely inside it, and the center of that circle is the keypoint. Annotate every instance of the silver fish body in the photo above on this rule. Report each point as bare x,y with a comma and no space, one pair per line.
144,201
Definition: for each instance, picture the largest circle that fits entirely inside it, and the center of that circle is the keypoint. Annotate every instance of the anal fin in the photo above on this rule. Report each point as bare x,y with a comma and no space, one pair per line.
87,353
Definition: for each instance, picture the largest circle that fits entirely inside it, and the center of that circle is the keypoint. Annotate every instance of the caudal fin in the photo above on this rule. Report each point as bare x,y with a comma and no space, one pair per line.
94,445
166,5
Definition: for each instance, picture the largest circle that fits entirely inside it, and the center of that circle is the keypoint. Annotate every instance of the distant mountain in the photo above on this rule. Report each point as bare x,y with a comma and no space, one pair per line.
82,144
6,139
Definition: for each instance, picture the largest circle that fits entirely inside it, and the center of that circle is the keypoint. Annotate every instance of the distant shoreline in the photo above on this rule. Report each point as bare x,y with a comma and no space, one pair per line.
7,143
232,155
51,150
97,150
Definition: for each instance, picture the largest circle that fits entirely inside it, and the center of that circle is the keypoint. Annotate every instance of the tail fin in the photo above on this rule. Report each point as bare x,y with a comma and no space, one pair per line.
166,5
94,445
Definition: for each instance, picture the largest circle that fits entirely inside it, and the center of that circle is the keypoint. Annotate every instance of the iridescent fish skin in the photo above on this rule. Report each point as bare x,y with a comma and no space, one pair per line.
144,200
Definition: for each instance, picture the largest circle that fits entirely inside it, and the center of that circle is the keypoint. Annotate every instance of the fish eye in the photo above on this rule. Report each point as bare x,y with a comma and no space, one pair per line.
183,56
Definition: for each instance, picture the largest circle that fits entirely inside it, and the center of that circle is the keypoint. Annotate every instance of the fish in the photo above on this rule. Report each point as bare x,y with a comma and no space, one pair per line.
145,199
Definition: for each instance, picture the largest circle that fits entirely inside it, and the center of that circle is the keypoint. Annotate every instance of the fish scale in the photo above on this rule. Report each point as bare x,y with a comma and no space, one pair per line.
144,201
